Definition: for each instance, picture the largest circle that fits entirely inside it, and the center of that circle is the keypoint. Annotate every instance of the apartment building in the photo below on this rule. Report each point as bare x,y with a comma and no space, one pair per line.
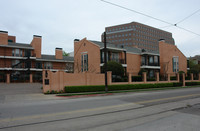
22,62
89,57
135,34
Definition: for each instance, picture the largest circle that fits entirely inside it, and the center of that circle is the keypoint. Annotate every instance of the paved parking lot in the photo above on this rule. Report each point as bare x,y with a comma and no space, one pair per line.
22,92
20,88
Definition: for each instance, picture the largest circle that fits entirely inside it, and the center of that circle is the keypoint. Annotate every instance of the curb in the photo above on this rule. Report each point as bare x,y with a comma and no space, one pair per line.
92,95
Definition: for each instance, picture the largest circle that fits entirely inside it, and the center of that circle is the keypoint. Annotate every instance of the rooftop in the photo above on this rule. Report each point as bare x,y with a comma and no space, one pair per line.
53,58
133,50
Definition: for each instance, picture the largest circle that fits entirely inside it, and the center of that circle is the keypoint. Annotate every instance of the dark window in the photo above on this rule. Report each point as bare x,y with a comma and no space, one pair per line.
38,65
28,64
27,53
84,62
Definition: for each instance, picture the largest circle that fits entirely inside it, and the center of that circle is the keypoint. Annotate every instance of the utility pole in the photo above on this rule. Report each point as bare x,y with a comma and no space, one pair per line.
105,62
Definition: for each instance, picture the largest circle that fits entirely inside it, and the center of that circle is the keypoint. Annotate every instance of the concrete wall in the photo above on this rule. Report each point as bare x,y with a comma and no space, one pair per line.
167,52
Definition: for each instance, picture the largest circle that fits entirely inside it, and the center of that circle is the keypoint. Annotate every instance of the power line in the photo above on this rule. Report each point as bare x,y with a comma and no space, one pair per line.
154,17
188,17
187,30
137,12
166,26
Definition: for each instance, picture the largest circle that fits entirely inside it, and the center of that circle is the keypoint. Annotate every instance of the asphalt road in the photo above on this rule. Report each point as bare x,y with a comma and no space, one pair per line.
157,110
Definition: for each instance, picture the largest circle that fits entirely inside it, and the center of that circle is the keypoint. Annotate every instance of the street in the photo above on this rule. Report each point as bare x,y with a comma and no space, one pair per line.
153,111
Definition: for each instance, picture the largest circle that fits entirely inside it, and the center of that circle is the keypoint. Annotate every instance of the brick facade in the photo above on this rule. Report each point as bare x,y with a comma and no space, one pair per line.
133,59
93,51
20,62
167,52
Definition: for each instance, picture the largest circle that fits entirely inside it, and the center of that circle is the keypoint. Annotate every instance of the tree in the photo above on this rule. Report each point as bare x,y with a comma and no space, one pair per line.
65,53
116,68
194,68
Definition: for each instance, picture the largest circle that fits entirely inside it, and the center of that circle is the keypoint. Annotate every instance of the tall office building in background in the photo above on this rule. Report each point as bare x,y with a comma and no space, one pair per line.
137,35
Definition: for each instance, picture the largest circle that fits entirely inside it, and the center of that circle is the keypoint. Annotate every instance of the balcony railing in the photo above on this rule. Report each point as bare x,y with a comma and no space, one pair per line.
150,64
121,61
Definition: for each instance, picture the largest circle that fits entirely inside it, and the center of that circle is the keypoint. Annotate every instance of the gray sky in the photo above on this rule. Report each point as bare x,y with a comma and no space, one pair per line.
59,22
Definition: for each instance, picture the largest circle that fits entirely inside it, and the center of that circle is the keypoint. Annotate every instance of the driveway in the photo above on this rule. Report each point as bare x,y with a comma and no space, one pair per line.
22,93
20,88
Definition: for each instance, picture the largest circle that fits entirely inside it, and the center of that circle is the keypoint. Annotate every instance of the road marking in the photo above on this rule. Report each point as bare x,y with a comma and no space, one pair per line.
163,99
93,109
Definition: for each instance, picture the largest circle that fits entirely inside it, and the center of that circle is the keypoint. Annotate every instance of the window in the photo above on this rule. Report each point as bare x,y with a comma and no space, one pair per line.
13,52
38,65
16,52
115,57
175,63
28,64
16,64
143,60
151,73
48,65
150,59
84,62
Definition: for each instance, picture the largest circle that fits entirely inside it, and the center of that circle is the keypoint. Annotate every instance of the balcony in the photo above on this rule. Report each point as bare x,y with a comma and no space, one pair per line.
150,66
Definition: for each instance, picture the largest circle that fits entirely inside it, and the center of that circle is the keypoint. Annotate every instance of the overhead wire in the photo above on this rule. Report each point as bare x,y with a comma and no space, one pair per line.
188,16
171,24
137,12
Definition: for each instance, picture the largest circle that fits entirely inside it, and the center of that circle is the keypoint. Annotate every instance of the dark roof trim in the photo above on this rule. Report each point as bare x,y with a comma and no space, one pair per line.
37,36
58,48
1,31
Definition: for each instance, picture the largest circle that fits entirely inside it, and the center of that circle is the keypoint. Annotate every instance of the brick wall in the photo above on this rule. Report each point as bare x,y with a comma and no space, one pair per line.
36,44
133,63
167,52
58,80
3,38
93,52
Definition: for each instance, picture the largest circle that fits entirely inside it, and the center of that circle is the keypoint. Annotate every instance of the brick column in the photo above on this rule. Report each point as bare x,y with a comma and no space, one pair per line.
7,78
183,79
168,77
178,77
192,76
199,76
129,78
31,78
109,77
157,77
144,77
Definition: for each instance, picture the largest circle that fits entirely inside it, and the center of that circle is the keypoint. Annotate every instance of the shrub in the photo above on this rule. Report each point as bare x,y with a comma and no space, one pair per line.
173,78
192,83
177,84
141,71
75,89
136,78
187,78
151,79
119,78
116,68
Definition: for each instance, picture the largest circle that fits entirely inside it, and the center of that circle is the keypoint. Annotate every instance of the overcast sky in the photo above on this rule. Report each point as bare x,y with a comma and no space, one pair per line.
59,22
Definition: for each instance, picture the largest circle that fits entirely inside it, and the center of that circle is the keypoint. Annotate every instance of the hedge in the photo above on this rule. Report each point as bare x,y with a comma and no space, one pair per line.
136,78
192,83
76,89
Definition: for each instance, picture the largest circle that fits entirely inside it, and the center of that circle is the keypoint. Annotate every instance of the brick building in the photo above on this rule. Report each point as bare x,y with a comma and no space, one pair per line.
137,35
21,62
168,59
